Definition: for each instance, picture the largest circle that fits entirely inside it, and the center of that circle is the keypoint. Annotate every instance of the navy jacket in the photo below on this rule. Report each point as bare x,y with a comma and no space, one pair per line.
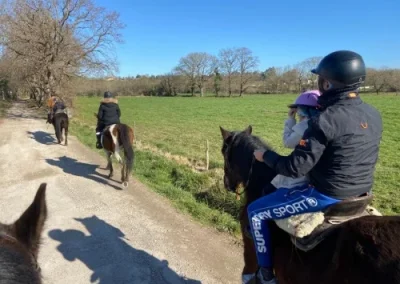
109,112
339,150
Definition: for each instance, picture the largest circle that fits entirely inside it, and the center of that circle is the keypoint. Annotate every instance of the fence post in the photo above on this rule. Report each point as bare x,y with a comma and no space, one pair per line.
207,155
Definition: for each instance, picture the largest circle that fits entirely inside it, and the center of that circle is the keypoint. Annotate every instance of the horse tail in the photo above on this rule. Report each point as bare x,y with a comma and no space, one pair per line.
126,143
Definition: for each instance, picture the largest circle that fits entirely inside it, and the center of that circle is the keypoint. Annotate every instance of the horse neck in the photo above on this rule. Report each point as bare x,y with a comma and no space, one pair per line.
260,177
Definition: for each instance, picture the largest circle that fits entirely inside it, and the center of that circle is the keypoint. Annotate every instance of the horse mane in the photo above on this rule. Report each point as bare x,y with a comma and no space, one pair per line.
22,272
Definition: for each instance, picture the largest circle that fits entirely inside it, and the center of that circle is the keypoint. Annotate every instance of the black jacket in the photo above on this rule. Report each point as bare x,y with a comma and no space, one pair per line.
339,150
109,112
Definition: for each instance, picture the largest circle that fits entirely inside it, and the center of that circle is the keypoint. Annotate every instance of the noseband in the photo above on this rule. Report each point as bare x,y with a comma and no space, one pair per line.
14,240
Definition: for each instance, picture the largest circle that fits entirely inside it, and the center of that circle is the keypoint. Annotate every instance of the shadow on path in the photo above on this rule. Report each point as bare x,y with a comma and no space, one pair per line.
73,167
43,137
111,259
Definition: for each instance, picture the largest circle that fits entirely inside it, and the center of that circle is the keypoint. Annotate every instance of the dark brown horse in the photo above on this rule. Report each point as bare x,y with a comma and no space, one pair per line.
60,122
19,243
113,138
363,250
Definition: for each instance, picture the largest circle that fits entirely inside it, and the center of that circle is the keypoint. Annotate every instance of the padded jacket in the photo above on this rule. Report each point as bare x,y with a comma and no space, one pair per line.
339,149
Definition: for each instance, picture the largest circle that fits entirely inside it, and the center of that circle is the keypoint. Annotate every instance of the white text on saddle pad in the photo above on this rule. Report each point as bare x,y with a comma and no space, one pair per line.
279,212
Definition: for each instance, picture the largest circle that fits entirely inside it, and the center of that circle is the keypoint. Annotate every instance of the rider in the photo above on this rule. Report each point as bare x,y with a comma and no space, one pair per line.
54,104
338,152
109,113
306,107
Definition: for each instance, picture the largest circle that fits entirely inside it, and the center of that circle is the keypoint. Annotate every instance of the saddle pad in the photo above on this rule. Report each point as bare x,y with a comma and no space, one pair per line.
301,225
60,111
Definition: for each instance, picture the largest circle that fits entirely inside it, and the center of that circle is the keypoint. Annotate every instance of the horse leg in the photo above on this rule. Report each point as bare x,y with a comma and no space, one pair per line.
109,165
126,173
123,177
66,135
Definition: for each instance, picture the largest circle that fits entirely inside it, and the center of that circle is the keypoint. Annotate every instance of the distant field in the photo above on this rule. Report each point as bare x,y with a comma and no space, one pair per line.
181,126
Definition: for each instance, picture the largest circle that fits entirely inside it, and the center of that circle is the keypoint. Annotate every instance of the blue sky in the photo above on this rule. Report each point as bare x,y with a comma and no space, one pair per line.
159,32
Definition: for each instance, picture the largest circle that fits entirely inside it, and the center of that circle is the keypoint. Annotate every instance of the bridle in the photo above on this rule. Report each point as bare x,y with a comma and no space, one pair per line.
14,240
226,154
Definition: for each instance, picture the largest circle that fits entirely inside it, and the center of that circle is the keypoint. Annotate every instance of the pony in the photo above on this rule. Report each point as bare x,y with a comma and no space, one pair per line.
113,138
19,243
361,250
60,121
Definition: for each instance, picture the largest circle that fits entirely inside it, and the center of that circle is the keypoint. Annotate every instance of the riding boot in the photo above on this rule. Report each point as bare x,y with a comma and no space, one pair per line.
265,275
98,143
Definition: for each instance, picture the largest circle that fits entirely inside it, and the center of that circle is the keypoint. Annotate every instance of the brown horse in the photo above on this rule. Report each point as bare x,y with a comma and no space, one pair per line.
59,121
113,138
363,250
19,243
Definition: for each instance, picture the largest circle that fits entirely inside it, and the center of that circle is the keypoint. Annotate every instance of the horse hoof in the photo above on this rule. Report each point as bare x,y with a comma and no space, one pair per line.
125,184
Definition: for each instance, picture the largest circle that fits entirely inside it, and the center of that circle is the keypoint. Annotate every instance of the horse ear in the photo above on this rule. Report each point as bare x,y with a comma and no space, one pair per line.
248,130
28,228
225,133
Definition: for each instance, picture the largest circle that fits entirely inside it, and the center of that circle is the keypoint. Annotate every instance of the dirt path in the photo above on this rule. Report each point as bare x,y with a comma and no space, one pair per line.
96,233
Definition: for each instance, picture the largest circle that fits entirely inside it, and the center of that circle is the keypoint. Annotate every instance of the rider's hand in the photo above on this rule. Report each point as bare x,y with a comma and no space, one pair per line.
292,112
259,155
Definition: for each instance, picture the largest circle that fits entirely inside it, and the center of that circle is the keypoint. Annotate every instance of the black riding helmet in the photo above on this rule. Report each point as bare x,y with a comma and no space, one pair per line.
342,68
107,95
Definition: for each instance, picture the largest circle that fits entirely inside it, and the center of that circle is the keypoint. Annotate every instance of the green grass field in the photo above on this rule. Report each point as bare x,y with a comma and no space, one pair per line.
182,125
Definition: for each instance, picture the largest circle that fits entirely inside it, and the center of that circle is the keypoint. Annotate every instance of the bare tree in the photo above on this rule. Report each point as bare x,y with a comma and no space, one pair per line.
379,79
304,76
394,81
197,67
247,63
60,39
228,59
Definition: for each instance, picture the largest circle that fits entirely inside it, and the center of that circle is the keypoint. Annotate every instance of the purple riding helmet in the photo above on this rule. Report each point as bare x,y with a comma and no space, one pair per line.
308,98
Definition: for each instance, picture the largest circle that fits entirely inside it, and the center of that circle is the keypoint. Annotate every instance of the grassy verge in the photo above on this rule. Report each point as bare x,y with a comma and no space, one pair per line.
199,194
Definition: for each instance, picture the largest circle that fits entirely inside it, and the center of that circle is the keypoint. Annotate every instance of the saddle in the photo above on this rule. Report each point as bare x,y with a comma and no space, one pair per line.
60,111
310,229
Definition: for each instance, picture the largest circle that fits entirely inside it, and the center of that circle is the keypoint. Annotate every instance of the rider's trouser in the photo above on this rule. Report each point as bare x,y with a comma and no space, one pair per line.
99,129
281,204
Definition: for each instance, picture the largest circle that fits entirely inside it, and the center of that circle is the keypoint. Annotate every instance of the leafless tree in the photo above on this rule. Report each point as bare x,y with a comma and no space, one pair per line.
379,79
60,39
197,67
247,63
304,75
228,59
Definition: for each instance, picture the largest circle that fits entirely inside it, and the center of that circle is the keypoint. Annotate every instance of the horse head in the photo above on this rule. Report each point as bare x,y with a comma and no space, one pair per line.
20,241
240,167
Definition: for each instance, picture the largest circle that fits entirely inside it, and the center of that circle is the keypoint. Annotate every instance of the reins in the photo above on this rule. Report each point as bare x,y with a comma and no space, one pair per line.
238,194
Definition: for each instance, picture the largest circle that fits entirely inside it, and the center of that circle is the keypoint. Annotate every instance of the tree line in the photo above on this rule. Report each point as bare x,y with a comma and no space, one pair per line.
67,47
198,74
